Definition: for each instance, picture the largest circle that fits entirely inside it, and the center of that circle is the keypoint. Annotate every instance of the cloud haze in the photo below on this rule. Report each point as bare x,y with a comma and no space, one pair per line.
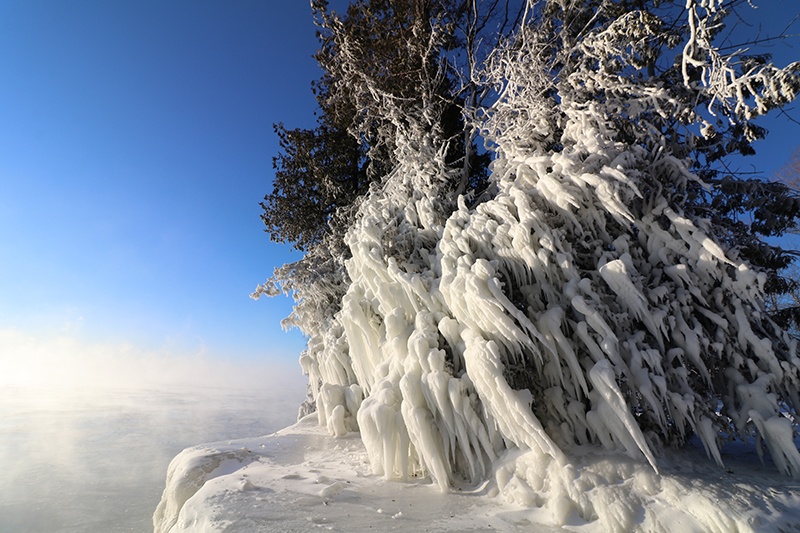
64,360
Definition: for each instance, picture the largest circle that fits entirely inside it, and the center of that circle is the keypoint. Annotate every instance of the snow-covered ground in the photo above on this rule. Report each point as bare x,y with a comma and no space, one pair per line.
302,479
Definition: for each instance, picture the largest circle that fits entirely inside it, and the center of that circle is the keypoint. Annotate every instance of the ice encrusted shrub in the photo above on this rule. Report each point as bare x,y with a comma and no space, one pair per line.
581,300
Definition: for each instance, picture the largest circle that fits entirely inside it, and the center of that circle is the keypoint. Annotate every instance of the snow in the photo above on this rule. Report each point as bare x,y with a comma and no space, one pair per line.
303,479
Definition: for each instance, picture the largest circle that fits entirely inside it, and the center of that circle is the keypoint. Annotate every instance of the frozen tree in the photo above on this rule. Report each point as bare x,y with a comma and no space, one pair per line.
591,294
377,53
784,304
377,50
638,314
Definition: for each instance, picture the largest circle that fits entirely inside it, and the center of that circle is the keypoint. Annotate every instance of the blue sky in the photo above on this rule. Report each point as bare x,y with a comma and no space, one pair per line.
135,145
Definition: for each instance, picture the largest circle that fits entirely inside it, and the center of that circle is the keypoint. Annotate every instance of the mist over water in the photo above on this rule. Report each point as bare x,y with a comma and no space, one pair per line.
92,458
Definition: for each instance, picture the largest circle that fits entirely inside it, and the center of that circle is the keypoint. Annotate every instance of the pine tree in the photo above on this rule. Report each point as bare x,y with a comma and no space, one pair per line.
379,51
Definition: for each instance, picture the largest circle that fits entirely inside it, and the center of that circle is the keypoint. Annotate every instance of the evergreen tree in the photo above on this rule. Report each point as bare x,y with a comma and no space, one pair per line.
378,52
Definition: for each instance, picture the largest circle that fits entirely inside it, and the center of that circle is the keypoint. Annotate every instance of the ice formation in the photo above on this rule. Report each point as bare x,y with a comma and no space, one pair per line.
301,479
574,303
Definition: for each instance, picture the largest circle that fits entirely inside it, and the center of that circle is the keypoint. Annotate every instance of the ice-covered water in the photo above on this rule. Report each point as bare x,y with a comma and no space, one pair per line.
95,460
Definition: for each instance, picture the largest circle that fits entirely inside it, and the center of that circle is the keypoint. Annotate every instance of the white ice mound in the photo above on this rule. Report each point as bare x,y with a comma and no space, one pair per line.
301,479
188,473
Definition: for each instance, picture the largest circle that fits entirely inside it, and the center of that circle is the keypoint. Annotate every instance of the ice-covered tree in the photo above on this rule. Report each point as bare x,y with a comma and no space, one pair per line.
596,293
376,50
377,53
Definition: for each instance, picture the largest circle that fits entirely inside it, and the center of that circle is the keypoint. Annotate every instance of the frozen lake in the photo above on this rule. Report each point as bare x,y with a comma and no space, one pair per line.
95,460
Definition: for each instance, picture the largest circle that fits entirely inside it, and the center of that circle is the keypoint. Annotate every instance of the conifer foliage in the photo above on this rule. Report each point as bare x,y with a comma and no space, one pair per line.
380,55
602,288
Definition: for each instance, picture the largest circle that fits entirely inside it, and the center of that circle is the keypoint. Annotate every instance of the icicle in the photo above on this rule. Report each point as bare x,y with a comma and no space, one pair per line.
615,413
514,417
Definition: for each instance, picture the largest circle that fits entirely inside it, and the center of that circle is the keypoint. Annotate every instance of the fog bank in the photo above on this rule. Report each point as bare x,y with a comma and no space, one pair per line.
65,361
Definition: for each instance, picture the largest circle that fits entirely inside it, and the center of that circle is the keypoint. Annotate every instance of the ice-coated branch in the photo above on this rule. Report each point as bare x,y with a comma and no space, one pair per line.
742,88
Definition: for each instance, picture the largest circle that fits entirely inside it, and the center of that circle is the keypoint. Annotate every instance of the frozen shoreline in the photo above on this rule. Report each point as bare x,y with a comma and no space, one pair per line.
300,479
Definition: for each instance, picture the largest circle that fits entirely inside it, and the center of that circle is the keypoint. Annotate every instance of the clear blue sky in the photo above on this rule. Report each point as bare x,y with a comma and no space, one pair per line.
135,144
